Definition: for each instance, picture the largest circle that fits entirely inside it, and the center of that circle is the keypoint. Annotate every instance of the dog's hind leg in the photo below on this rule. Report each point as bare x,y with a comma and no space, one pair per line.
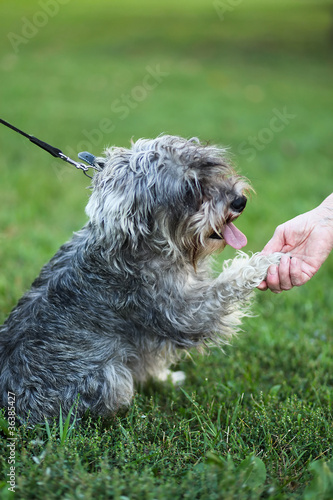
109,390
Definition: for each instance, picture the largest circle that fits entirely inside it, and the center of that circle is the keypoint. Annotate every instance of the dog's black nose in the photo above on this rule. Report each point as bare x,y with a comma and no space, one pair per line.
239,203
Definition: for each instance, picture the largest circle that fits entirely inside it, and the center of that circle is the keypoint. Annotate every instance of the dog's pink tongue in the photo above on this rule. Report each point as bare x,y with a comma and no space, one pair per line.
234,237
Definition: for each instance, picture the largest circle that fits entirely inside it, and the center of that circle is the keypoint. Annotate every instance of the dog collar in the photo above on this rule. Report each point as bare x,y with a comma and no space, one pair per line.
88,158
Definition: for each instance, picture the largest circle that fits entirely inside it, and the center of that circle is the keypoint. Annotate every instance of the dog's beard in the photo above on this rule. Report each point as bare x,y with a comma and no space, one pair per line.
201,239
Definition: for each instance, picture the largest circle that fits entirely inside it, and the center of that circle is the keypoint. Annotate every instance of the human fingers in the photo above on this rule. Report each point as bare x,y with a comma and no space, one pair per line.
284,273
273,279
263,286
296,274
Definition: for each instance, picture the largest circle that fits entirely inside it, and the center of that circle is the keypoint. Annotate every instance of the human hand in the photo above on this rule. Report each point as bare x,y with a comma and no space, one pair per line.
308,240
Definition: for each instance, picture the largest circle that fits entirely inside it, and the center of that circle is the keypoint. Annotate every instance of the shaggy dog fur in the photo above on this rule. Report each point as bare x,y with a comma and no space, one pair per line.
133,288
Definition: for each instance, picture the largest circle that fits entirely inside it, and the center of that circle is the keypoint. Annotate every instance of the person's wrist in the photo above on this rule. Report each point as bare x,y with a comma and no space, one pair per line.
327,205
325,217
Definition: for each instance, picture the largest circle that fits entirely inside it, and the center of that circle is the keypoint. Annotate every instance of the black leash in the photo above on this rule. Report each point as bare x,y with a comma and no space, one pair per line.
57,153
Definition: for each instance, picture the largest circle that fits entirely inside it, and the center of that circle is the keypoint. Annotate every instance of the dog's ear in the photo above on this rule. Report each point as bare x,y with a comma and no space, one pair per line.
143,161
124,194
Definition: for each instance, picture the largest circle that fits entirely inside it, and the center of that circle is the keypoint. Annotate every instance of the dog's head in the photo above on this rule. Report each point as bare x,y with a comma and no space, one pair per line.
168,194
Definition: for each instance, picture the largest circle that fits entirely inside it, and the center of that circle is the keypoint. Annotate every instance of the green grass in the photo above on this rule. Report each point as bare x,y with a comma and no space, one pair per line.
255,421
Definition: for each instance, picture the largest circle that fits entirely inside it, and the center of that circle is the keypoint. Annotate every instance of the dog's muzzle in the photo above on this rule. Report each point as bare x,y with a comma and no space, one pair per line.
230,233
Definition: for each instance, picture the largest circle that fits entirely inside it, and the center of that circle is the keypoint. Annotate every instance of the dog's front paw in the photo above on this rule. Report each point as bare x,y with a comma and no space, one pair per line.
247,272
260,264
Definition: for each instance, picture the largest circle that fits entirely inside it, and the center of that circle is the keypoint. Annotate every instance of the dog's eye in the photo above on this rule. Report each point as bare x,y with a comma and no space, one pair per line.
191,197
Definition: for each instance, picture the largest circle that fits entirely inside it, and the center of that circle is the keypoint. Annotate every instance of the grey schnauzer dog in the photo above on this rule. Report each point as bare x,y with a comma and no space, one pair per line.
133,288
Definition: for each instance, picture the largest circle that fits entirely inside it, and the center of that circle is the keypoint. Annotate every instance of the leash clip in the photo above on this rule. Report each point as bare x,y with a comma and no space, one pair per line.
57,153
76,164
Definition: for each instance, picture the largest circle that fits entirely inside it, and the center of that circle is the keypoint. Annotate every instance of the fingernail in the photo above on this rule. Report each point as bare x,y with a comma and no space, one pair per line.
273,270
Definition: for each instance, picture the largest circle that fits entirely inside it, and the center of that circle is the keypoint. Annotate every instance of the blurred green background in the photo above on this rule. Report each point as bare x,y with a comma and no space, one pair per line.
253,75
